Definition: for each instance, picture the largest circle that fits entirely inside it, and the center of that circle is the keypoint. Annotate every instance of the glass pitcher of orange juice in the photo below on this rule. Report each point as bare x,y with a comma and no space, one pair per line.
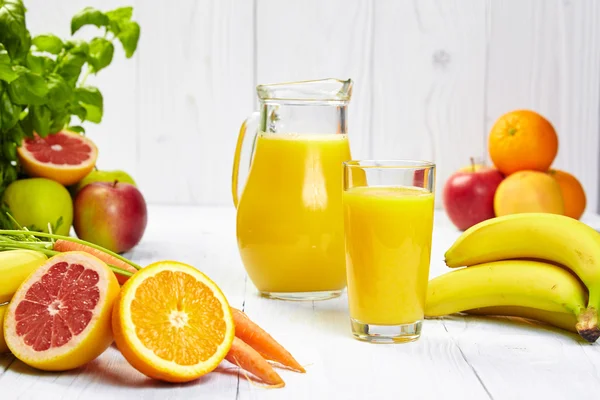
290,228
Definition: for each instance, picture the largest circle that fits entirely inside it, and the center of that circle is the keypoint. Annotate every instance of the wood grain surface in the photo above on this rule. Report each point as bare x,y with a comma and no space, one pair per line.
431,77
457,357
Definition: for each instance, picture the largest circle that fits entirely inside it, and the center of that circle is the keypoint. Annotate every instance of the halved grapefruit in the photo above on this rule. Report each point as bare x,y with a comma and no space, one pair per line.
3,346
66,157
60,317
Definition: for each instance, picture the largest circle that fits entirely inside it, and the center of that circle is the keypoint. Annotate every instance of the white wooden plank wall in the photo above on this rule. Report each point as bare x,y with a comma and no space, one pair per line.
545,55
315,39
428,73
431,78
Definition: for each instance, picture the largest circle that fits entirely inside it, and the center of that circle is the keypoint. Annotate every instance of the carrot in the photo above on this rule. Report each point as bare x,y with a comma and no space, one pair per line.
66,245
249,360
262,342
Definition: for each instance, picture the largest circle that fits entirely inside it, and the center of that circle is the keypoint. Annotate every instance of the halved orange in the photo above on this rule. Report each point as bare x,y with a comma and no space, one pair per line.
171,322
66,157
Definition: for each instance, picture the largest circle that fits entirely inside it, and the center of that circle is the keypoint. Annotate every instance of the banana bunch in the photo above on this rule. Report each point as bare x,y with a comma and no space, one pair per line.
533,265
15,267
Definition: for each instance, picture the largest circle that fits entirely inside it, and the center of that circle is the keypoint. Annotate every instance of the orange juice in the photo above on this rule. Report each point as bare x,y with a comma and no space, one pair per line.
290,225
388,244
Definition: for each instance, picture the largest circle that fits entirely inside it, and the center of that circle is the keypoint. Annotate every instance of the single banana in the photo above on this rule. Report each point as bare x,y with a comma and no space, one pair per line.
3,346
15,267
523,283
550,237
561,320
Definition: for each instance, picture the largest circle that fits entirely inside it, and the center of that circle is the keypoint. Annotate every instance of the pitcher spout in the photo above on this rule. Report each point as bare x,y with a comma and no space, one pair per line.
322,90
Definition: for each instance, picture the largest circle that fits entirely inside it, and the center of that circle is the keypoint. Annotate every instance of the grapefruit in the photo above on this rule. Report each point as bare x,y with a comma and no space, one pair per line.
3,346
171,322
59,318
526,192
66,157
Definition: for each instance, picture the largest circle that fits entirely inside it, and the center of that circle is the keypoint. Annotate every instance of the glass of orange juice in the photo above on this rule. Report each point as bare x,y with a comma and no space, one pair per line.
388,224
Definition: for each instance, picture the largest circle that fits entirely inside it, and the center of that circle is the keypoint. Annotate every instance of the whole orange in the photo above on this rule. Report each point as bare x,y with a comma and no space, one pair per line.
522,140
572,193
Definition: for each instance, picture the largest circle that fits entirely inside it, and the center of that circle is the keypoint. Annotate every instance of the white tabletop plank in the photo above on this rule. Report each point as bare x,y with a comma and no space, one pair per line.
456,357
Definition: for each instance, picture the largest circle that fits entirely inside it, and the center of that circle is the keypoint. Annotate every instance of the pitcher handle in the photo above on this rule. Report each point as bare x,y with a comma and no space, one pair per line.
252,122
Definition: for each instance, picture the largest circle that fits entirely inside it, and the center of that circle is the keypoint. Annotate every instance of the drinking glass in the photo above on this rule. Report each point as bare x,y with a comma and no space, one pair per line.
388,223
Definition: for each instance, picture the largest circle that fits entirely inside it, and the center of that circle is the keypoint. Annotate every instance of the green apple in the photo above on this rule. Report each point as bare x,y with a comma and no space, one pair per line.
102,176
36,202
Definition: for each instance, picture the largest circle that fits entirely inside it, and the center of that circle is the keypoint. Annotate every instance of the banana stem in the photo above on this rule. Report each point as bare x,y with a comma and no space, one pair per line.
587,325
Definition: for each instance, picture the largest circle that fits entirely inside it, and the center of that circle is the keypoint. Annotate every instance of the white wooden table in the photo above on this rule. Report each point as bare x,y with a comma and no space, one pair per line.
456,358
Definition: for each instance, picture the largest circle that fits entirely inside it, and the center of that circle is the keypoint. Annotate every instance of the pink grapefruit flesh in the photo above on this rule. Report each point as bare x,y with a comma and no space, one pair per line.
66,157
59,307
59,317
59,149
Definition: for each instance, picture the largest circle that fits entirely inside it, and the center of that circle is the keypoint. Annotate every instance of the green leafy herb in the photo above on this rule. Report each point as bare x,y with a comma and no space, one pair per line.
60,119
126,30
10,112
77,47
129,34
78,111
120,14
42,79
59,92
88,16
9,150
91,99
69,66
29,88
41,119
76,128
13,33
50,43
100,53
40,64
6,71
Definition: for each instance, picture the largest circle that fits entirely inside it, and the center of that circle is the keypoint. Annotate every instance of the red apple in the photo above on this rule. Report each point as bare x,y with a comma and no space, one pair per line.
469,195
111,215
419,178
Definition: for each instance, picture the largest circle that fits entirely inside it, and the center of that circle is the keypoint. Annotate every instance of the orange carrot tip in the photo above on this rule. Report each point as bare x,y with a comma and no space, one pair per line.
262,342
253,382
248,359
62,246
301,369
